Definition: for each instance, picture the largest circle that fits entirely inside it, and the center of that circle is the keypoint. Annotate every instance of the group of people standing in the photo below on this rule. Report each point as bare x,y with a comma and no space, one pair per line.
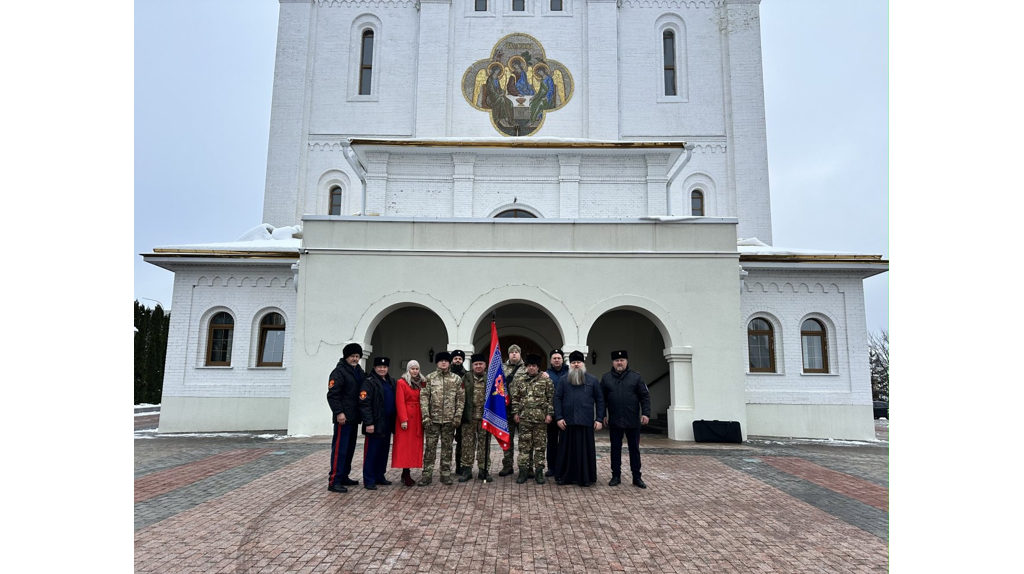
554,412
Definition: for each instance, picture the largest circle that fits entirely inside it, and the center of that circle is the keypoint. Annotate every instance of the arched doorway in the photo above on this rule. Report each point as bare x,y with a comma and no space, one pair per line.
521,324
408,333
641,338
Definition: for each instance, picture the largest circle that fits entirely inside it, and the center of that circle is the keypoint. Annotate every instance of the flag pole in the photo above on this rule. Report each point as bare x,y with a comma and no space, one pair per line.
487,439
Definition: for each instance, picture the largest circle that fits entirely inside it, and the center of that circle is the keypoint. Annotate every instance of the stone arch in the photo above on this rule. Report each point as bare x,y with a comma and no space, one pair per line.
254,332
382,307
329,180
778,329
528,208
527,295
699,181
832,345
646,307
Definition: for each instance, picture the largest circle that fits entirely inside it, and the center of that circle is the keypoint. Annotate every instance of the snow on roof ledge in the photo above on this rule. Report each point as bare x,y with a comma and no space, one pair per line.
264,238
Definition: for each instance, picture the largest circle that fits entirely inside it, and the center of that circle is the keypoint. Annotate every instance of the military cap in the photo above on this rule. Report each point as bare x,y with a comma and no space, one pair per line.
577,356
556,352
442,356
458,353
533,359
478,357
619,355
515,349
352,349
381,361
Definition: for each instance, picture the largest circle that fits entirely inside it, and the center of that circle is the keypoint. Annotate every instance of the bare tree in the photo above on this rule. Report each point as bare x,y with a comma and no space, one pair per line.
878,353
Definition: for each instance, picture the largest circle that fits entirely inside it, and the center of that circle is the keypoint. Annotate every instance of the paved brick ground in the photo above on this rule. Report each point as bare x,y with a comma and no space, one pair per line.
247,504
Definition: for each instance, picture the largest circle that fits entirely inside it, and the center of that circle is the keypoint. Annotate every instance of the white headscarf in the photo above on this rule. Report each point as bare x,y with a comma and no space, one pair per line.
408,378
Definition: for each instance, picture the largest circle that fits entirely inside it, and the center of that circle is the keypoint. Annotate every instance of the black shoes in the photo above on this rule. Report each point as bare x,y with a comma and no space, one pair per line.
484,476
549,473
522,476
466,476
615,481
370,486
383,482
639,482
349,482
338,488
505,471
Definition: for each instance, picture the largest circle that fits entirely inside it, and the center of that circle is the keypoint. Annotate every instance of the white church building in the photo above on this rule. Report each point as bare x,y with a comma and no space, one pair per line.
593,173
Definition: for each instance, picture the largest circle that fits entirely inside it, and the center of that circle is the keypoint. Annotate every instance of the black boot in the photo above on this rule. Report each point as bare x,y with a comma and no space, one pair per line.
484,476
466,475
615,481
539,475
505,471
522,476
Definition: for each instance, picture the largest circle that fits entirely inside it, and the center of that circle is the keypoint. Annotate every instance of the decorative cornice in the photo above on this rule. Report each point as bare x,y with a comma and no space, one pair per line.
795,287
373,3
671,3
709,148
520,143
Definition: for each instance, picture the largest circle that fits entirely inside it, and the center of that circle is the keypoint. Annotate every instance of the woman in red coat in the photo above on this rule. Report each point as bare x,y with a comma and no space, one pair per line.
408,450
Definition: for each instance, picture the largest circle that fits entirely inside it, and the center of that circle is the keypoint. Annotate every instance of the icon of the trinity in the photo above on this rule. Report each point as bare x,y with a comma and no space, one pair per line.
518,85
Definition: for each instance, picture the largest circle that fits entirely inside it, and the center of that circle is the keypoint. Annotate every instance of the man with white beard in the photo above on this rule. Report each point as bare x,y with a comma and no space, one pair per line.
579,406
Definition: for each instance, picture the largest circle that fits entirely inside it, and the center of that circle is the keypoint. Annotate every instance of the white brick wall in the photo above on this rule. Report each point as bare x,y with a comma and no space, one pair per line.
786,298
247,293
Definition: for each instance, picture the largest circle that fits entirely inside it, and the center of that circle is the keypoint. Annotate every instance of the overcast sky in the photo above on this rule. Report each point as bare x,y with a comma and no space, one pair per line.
204,76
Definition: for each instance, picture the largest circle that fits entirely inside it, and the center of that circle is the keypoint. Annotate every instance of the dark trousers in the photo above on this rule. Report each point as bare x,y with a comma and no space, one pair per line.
553,431
375,458
458,445
343,446
633,440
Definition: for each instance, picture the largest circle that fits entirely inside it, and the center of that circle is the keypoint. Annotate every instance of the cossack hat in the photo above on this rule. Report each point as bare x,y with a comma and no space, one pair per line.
478,357
576,356
443,356
352,349
458,353
381,361
533,359
619,355
556,352
514,349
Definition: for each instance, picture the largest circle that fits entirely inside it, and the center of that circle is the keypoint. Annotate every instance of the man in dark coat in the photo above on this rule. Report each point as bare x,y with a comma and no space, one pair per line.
579,406
629,405
556,370
343,395
378,410
458,358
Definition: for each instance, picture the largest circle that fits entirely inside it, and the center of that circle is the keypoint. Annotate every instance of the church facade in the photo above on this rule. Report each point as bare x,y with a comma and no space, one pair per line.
591,174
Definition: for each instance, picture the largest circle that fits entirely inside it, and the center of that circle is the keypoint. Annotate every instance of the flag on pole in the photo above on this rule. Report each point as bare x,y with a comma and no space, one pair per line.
495,406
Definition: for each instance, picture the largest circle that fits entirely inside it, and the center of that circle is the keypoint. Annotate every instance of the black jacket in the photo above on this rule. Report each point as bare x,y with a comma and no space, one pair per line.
343,392
625,395
371,404
577,404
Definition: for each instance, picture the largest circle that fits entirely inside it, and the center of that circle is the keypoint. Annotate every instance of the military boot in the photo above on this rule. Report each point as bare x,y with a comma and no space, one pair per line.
484,476
466,475
425,480
505,471
446,478
522,476
539,474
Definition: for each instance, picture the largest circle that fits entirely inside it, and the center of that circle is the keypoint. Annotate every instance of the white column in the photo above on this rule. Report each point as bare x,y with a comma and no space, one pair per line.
376,183
432,64
602,119
680,410
464,177
568,186
657,184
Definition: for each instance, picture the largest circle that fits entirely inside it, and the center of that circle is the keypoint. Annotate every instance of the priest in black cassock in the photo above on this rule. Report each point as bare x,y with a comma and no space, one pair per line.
579,406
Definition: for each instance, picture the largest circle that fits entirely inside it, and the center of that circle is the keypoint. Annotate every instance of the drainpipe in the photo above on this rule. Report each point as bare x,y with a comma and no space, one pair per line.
353,161
676,169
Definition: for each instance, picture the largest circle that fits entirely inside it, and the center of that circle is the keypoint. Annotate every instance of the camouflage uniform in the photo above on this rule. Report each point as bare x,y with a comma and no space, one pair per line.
533,400
473,433
442,401
506,459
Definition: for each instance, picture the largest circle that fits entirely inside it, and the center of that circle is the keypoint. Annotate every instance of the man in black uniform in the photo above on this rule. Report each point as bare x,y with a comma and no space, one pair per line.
458,358
342,396
556,370
378,410
625,394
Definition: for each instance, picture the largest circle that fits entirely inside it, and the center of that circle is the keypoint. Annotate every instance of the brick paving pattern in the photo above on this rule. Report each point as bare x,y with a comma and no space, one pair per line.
244,504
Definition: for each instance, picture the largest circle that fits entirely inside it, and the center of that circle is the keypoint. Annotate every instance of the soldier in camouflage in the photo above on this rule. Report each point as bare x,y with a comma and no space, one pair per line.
474,436
533,408
442,401
514,370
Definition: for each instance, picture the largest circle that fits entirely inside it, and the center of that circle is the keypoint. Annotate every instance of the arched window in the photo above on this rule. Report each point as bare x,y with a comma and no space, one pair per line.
218,340
668,39
815,349
481,5
518,5
697,202
516,213
271,351
556,5
761,346
336,200
366,64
